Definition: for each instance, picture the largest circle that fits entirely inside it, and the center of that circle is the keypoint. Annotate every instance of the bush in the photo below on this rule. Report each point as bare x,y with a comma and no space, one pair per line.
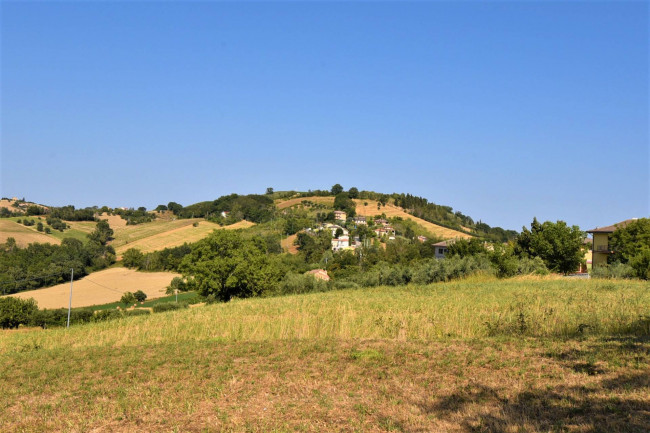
132,313
433,270
140,296
293,284
104,315
177,284
169,306
128,298
614,270
15,311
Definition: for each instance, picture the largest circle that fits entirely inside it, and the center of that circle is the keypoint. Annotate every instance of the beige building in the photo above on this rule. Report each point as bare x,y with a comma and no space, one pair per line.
602,248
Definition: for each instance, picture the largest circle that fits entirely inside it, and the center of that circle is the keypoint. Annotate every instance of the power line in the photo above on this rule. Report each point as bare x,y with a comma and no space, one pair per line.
101,285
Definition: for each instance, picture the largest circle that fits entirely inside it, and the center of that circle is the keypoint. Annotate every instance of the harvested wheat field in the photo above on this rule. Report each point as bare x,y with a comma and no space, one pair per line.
101,288
394,211
23,235
296,201
178,236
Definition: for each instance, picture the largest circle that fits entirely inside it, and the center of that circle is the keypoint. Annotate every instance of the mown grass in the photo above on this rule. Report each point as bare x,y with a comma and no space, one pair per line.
536,354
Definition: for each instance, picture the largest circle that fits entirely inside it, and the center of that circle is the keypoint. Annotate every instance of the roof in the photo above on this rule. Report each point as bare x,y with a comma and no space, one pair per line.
612,228
440,244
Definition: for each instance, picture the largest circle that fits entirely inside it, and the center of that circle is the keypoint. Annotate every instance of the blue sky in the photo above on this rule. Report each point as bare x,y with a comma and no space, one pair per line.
504,111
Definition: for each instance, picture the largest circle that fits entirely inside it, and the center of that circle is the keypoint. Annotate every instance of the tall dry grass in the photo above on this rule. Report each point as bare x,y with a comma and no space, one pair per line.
471,308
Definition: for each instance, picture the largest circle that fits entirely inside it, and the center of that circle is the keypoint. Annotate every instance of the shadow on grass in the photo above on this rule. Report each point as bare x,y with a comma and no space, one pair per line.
612,403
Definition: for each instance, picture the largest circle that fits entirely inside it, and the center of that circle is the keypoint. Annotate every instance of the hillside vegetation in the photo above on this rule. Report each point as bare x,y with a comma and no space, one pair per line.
526,354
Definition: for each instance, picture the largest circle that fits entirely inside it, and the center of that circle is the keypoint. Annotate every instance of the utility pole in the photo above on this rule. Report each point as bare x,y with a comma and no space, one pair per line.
70,302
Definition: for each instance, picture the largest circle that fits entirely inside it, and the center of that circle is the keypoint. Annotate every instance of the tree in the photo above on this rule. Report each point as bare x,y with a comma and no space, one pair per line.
345,203
175,207
132,258
560,247
140,296
353,193
161,207
15,311
39,226
269,191
465,247
337,189
631,244
225,265
128,298
102,233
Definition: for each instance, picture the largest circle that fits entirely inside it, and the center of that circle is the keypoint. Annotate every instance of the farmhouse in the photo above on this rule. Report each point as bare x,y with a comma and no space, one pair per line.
441,248
360,220
601,248
385,231
321,274
422,238
339,215
333,228
381,222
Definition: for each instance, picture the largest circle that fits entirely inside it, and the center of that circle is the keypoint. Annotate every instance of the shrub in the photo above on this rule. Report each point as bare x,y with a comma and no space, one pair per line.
131,313
140,296
169,306
104,315
293,284
128,298
614,270
15,311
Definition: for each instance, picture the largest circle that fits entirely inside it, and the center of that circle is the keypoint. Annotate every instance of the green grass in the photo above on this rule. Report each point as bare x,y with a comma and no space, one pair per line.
482,354
190,297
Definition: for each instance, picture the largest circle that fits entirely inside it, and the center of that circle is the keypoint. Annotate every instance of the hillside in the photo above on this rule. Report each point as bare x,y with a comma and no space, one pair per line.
476,355
101,287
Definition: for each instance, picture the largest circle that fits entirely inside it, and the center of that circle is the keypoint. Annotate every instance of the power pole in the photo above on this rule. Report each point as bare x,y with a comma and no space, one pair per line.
70,302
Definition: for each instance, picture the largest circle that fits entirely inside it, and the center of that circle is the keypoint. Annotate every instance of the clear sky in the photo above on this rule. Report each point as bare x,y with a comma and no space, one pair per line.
504,111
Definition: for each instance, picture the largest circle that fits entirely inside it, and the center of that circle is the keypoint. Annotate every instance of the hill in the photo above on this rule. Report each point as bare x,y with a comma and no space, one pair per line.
475,355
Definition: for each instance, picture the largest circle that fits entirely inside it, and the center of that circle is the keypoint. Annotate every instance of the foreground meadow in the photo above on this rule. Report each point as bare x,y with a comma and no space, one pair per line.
475,355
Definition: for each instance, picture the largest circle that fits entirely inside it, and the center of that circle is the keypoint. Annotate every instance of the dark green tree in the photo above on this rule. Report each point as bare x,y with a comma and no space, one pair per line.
132,258
336,189
15,311
140,296
225,265
560,247
269,191
102,233
353,192
631,244
128,298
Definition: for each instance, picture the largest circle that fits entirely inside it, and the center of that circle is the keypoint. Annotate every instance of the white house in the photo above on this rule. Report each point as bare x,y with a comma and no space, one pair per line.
339,215
341,243
360,220
441,248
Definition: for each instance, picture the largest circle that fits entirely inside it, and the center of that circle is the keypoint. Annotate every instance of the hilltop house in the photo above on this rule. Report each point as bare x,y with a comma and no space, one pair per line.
360,220
341,243
339,215
601,248
384,231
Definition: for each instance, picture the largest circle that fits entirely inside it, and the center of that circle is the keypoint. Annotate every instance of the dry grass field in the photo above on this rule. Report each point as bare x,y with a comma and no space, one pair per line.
23,235
101,288
395,211
297,201
288,246
402,359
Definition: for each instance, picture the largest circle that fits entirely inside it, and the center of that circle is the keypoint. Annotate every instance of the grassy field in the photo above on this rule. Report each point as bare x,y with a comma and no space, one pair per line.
476,355
101,287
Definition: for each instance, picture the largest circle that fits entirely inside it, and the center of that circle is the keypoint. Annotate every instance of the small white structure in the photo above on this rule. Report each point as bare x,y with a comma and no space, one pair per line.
339,215
334,227
441,248
360,220
225,214
341,243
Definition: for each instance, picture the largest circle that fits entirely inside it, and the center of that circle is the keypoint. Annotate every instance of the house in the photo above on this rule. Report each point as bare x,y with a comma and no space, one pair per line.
334,227
441,248
225,214
360,220
601,248
321,274
385,231
423,239
380,222
339,215
341,243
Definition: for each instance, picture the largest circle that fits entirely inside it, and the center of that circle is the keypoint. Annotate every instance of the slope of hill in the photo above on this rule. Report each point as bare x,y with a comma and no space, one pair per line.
395,211
161,234
100,288
9,228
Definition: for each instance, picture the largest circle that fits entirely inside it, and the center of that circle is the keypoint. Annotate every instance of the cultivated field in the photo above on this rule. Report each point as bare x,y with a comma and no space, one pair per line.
535,355
100,288
9,228
395,211
329,201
